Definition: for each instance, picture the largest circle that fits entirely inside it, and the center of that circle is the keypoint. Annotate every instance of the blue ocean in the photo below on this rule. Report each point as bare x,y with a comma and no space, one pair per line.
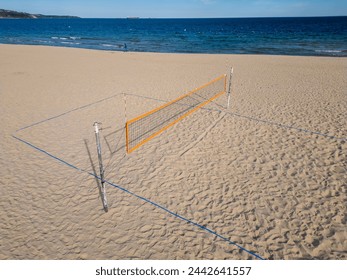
312,36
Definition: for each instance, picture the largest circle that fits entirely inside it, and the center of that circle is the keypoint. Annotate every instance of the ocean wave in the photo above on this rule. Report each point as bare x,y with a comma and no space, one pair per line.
65,38
328,51
113,46
109,45
70,43
41,42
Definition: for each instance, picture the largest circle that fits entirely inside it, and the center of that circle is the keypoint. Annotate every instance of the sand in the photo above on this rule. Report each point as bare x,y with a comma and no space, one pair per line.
253,174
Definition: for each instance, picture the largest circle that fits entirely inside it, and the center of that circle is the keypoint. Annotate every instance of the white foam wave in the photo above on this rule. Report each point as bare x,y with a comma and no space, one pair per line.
328,51
70,43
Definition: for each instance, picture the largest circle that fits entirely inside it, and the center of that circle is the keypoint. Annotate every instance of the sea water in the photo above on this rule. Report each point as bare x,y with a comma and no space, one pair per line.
313,36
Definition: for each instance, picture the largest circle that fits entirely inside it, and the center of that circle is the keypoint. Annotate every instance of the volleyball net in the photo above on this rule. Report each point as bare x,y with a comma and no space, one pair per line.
145,127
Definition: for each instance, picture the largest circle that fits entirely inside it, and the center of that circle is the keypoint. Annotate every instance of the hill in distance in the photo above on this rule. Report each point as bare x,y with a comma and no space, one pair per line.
21,15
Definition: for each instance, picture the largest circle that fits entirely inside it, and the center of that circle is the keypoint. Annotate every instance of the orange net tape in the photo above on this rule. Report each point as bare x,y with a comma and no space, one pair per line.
143,128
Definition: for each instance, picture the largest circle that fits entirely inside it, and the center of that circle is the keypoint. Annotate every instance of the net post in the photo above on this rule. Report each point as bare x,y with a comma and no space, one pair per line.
125,121
127,137
229,88
125,108
98,146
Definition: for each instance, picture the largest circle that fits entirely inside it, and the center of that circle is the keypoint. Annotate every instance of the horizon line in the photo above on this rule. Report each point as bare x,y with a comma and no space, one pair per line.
241,17
130,17
207,17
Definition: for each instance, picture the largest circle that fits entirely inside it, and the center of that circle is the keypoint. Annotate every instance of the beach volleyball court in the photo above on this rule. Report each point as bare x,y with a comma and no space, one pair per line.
187,177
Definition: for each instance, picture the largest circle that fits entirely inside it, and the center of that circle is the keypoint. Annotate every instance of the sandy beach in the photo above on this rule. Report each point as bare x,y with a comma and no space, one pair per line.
268,175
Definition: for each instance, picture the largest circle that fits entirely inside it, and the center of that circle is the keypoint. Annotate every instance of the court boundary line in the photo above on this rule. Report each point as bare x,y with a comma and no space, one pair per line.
64,162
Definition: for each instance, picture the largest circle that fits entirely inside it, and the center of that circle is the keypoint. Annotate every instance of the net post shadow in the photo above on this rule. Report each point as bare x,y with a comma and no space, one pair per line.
93,167
118,146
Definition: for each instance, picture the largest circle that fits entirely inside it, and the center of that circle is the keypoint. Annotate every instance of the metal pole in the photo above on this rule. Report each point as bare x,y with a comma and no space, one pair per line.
125,108
98,146
229,89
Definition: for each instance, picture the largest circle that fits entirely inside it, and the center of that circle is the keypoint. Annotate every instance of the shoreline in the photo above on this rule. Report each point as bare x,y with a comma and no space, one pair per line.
178,53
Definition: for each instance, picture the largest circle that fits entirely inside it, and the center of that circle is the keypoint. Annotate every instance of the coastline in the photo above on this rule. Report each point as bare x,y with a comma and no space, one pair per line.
175,53
277,191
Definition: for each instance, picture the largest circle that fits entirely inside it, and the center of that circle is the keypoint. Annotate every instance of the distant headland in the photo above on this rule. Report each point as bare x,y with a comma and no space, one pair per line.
21,15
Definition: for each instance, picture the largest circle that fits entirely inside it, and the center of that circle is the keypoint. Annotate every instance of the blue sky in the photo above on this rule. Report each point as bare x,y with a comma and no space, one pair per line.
180,8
